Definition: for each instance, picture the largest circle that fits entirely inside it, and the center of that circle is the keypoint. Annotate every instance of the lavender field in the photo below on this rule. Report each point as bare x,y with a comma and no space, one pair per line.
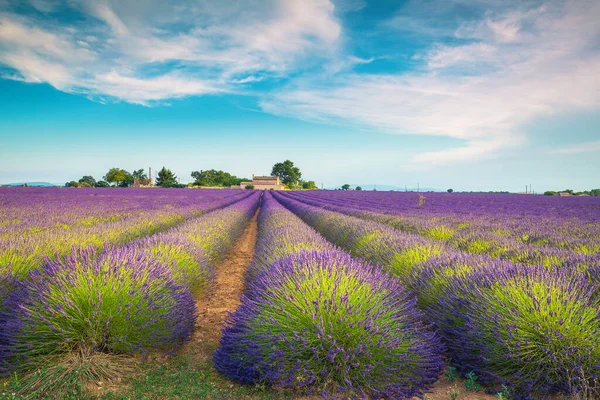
348,294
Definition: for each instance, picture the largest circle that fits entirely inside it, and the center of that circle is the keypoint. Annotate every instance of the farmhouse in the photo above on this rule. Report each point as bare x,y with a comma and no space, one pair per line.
143,183
264,183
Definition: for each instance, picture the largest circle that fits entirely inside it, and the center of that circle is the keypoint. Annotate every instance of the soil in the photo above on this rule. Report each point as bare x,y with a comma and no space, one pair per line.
443,390
224,298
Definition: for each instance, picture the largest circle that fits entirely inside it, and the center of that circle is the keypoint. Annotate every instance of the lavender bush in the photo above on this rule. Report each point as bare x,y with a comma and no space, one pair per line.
320,321
532,329
117,302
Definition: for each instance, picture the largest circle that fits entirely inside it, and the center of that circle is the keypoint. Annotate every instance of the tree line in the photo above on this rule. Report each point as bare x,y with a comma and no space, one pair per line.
593,192
287,172
118,177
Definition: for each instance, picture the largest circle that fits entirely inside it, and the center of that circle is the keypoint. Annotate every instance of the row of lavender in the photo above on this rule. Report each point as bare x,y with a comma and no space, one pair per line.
545,239
531,328
313,318
40,223
531,219
135,298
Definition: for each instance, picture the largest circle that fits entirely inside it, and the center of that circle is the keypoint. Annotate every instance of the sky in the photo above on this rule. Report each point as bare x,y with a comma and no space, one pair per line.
462,94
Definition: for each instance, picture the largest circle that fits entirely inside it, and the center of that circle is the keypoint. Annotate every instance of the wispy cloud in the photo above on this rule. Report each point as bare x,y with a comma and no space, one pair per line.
215,48
512,67
587,147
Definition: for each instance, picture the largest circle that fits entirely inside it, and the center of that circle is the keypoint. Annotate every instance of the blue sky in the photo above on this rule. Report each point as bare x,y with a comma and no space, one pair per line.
468,94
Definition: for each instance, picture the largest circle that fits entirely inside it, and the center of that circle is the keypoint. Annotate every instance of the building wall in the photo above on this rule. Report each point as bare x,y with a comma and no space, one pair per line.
261,186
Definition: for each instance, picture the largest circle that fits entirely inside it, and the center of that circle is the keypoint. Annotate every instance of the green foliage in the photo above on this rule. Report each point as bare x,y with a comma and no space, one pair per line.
286,172
454,393
345,186
358,188
139,174
451,374
184,263
309,185
183,379
450,190
102,184
404,261
593,192
504,394
439,232
84,185
72,184
104,307
166,178
471,384
89,180
119,177
213,177
249,187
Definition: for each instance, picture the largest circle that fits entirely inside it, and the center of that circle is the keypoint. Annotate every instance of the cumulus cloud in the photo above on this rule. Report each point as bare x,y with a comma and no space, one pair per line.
511,67
214,48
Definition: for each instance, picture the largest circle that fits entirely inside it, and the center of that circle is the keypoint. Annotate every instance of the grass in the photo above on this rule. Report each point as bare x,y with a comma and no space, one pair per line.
182,379
179,378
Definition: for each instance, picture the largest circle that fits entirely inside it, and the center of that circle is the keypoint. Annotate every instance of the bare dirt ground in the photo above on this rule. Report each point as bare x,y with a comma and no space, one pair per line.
224,298
443,390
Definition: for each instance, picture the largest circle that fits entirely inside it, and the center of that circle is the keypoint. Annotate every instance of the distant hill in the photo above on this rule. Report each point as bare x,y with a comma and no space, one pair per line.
387,188
43,184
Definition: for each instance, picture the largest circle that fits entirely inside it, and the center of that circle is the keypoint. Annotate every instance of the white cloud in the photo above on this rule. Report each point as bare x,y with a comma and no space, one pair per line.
587,147
517,66
214,46
144,91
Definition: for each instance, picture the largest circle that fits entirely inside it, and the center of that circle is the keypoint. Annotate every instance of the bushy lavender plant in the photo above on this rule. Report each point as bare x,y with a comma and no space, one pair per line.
188,265
321,320
533,329
118,302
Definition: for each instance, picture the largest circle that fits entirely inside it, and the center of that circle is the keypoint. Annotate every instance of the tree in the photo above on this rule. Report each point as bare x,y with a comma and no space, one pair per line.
358,188
84,185
139,174
213,177
549,193
450,190
286,172
72,184
345,186
309,185
89,180
119,177
166,178
249,187
102,184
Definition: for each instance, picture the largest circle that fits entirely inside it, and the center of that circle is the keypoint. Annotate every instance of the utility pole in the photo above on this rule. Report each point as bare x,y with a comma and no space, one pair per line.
418,188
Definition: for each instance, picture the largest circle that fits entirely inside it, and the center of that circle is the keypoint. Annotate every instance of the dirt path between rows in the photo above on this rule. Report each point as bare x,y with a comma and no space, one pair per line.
225,296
